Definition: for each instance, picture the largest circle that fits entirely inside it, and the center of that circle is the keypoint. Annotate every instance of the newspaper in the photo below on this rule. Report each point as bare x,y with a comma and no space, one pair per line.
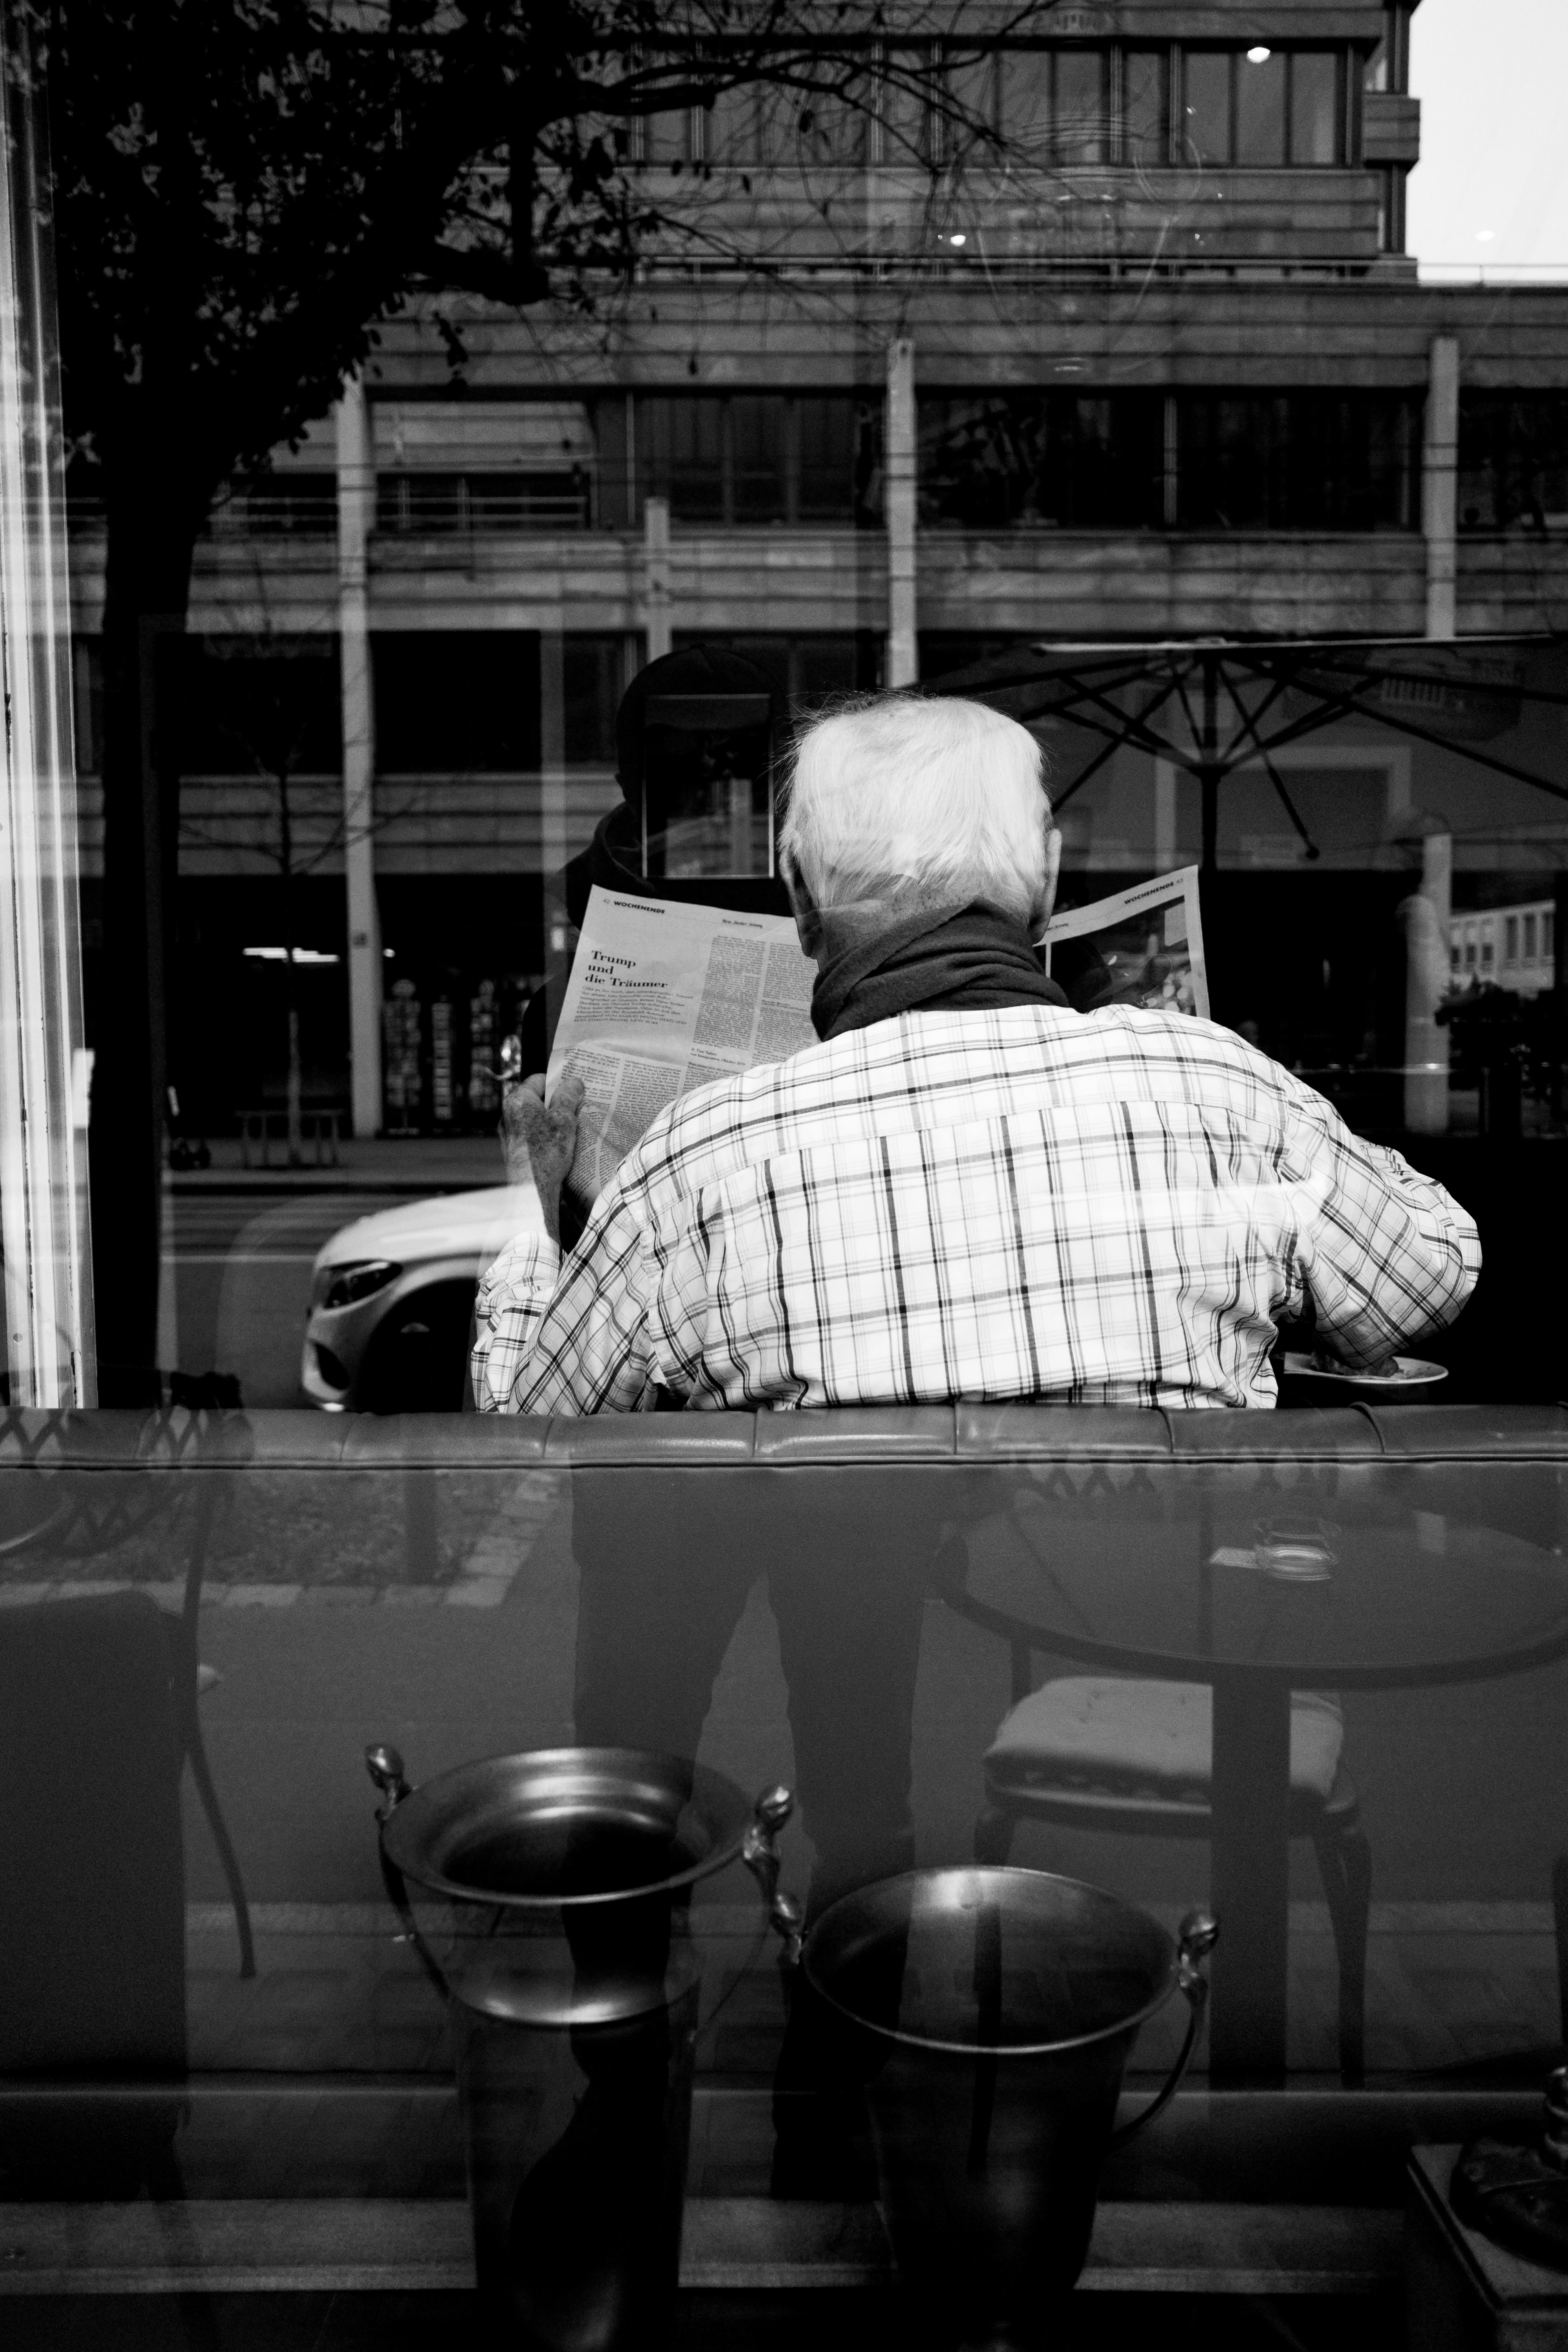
663,997
1150,940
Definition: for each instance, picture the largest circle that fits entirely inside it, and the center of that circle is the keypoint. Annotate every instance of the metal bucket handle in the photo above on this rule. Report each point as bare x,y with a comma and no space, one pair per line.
759,1852
1196,1937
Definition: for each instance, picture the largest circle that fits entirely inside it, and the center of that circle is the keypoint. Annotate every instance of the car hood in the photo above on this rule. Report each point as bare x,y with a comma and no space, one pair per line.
476,1225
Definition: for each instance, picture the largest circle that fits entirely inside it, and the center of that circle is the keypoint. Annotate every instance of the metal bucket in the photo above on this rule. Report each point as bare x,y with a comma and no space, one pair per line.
996,2010
574,1995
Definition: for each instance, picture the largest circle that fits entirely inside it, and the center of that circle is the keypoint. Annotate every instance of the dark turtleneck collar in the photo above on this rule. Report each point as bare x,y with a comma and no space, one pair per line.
945,958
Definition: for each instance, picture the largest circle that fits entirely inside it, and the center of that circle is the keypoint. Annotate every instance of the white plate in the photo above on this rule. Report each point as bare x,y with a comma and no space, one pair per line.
1400,1373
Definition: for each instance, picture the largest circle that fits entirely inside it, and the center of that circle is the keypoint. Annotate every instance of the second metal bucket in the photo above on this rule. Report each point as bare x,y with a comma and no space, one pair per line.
574,1995
997,2011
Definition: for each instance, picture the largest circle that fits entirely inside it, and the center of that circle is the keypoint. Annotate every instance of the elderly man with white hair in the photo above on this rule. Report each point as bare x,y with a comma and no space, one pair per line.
967,1189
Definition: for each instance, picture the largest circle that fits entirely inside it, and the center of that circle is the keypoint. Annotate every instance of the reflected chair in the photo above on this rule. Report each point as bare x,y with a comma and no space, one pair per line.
1134,1756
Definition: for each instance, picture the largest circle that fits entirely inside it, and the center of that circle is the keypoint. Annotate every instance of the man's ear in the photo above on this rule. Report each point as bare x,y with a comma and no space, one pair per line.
1049,888
802,905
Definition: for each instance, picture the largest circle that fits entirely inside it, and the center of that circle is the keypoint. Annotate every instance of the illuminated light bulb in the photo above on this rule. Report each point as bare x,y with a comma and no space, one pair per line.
960,239
1485,235
1259,56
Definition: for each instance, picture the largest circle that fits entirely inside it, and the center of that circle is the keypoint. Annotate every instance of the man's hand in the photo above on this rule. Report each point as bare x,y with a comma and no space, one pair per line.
540,1141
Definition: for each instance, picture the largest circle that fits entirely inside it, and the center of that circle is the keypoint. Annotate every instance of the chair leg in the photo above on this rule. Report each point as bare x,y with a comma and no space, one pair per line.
1344,1862
1560,1929
994,1834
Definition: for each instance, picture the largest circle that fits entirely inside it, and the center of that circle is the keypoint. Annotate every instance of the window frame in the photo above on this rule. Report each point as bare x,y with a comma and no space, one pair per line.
1288,52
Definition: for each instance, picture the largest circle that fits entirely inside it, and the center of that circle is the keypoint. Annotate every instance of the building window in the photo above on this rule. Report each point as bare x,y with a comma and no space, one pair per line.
430,504
1206,106
593,671
258,705
1262,108
1011,460
290,505
1145,106
758,125
1513,460
760,457
1053,106
804,672
455,702
1296,461
1315,108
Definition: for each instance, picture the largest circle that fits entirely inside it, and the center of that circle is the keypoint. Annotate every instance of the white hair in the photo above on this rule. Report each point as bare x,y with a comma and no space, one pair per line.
909,799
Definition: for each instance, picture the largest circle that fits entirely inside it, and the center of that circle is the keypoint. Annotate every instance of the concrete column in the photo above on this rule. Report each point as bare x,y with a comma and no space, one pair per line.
898,478
658,617
1427,919
553,817
1439,485
356,516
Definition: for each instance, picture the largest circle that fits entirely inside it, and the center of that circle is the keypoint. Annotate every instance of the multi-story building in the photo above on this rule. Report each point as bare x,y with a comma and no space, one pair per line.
1155,367
1506,947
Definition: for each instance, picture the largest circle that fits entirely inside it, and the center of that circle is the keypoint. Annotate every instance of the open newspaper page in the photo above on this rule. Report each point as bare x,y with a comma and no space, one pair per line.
1149,940
663,997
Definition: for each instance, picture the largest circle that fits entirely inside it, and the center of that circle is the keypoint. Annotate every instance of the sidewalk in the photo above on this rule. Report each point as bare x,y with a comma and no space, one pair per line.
402,1164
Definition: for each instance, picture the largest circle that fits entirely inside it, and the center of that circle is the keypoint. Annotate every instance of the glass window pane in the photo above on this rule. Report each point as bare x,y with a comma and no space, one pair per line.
757,444
972,86
1260,109
1143,101
590,690
265,706
1205,108
666,138
1314,107
825,428
1026,99
680,456
1034,459
730,127
1079,112
905,132
452,702
824,129
824,668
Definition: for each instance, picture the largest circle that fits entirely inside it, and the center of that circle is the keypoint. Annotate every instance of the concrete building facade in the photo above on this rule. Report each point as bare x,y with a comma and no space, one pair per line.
1155,367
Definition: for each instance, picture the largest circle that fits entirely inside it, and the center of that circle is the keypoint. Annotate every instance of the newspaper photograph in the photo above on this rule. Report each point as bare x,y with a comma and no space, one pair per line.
663,997
1148,938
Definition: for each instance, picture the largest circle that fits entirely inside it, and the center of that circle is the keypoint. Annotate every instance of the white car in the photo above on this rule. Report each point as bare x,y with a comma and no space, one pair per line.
392,1298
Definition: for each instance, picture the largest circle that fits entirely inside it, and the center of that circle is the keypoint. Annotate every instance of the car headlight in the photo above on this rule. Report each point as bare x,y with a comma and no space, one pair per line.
349,1283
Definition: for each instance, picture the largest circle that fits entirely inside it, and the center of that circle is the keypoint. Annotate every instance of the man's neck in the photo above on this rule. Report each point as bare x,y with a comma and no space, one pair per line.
842,930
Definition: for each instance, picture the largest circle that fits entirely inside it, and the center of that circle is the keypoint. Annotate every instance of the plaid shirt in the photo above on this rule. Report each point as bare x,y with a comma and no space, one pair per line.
1111,1208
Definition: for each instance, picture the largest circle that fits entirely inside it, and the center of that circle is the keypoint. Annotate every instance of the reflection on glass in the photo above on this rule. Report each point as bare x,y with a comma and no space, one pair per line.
1027,98
1260,109
707,798
905,130
1144,127
1314,107
1205,117
1079,111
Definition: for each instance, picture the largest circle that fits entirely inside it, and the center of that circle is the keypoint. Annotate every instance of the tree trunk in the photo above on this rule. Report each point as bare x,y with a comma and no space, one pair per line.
151,546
